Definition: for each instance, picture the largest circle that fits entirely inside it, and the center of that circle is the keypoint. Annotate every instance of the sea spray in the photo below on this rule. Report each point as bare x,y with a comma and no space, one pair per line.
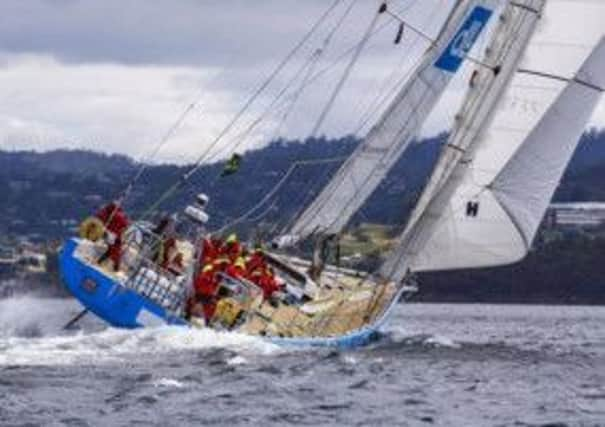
31,334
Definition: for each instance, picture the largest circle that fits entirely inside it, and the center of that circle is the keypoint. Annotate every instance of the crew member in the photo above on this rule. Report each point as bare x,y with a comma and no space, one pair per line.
169,251
164,246
237,269
116,222
210,251
255,262
206,286
177,264
268,283
232,248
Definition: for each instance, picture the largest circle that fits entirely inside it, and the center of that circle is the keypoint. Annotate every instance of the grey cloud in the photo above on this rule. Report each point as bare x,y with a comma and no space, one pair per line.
186,32
169,32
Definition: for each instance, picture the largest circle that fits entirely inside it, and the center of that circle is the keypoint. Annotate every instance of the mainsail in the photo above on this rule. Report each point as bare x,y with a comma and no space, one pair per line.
483,206
363,171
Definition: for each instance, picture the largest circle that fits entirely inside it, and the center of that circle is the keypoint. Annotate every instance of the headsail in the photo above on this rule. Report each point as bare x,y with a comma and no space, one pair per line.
487,211
386,141
528,181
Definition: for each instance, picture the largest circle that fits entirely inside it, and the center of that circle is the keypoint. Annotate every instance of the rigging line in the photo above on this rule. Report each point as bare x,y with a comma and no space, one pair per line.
384,93
432,41
372,30
381,99
561,78
349,68
321,72
294,99
403,253
384,156
420,33
244,108
344,54
310,66
248,131
162,142
341,176
314,60
146,161
277,187
315,56
312,80
262,88
263,214
311,77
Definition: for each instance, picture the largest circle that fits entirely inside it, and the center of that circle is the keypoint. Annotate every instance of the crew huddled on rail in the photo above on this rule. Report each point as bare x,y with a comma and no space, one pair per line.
230,258
218,258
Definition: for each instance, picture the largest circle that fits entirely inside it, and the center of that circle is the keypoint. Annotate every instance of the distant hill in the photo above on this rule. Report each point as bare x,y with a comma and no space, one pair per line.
568,270
81,162
45,195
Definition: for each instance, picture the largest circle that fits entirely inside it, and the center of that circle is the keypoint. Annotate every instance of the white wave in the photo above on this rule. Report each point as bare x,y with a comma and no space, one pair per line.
441,341
168,383
237,360
350,360
31,333
115,345
30,316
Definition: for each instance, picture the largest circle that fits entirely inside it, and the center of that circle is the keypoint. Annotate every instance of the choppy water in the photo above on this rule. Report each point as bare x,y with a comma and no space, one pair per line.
442,365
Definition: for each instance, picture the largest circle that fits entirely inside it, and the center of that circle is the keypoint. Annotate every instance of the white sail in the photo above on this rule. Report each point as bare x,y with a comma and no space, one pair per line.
528,181
510,40
488,211
368,165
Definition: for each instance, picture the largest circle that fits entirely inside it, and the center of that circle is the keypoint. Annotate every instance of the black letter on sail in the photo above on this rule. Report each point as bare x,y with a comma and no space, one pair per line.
472,209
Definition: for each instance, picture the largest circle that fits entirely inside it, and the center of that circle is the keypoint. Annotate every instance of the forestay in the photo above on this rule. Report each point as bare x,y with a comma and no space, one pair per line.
367,166
487,211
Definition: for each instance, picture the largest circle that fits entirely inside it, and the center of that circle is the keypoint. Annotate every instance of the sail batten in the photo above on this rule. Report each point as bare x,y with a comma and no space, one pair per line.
363,171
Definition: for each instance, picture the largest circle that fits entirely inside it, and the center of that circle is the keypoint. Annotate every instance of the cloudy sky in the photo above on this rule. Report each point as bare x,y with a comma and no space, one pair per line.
115,75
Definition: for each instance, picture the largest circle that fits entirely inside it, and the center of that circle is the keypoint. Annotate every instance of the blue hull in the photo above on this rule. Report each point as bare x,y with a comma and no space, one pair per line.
107,298
122,307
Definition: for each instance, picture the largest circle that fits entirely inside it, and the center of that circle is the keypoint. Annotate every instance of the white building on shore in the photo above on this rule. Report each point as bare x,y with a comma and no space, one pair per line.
580,214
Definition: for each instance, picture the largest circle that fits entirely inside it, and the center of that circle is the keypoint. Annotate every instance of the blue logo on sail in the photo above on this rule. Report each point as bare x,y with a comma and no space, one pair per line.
464,40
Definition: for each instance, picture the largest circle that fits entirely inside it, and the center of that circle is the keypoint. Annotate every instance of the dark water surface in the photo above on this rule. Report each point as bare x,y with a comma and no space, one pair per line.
438,365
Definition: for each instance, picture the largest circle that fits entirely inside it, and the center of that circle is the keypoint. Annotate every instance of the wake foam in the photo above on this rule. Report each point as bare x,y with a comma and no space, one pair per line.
31,333
30,316
118,345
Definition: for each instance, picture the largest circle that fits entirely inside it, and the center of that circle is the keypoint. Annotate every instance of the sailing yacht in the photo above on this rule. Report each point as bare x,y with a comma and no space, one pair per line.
510,145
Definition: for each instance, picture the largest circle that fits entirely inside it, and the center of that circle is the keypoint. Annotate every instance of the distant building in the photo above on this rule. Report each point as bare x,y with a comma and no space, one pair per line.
8,261
26,257
576,215
32,262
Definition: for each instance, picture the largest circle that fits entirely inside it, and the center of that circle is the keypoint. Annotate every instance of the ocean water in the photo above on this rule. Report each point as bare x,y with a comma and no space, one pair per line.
437,365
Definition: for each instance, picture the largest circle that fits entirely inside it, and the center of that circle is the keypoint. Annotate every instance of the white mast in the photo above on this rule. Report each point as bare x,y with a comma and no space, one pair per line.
399,125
